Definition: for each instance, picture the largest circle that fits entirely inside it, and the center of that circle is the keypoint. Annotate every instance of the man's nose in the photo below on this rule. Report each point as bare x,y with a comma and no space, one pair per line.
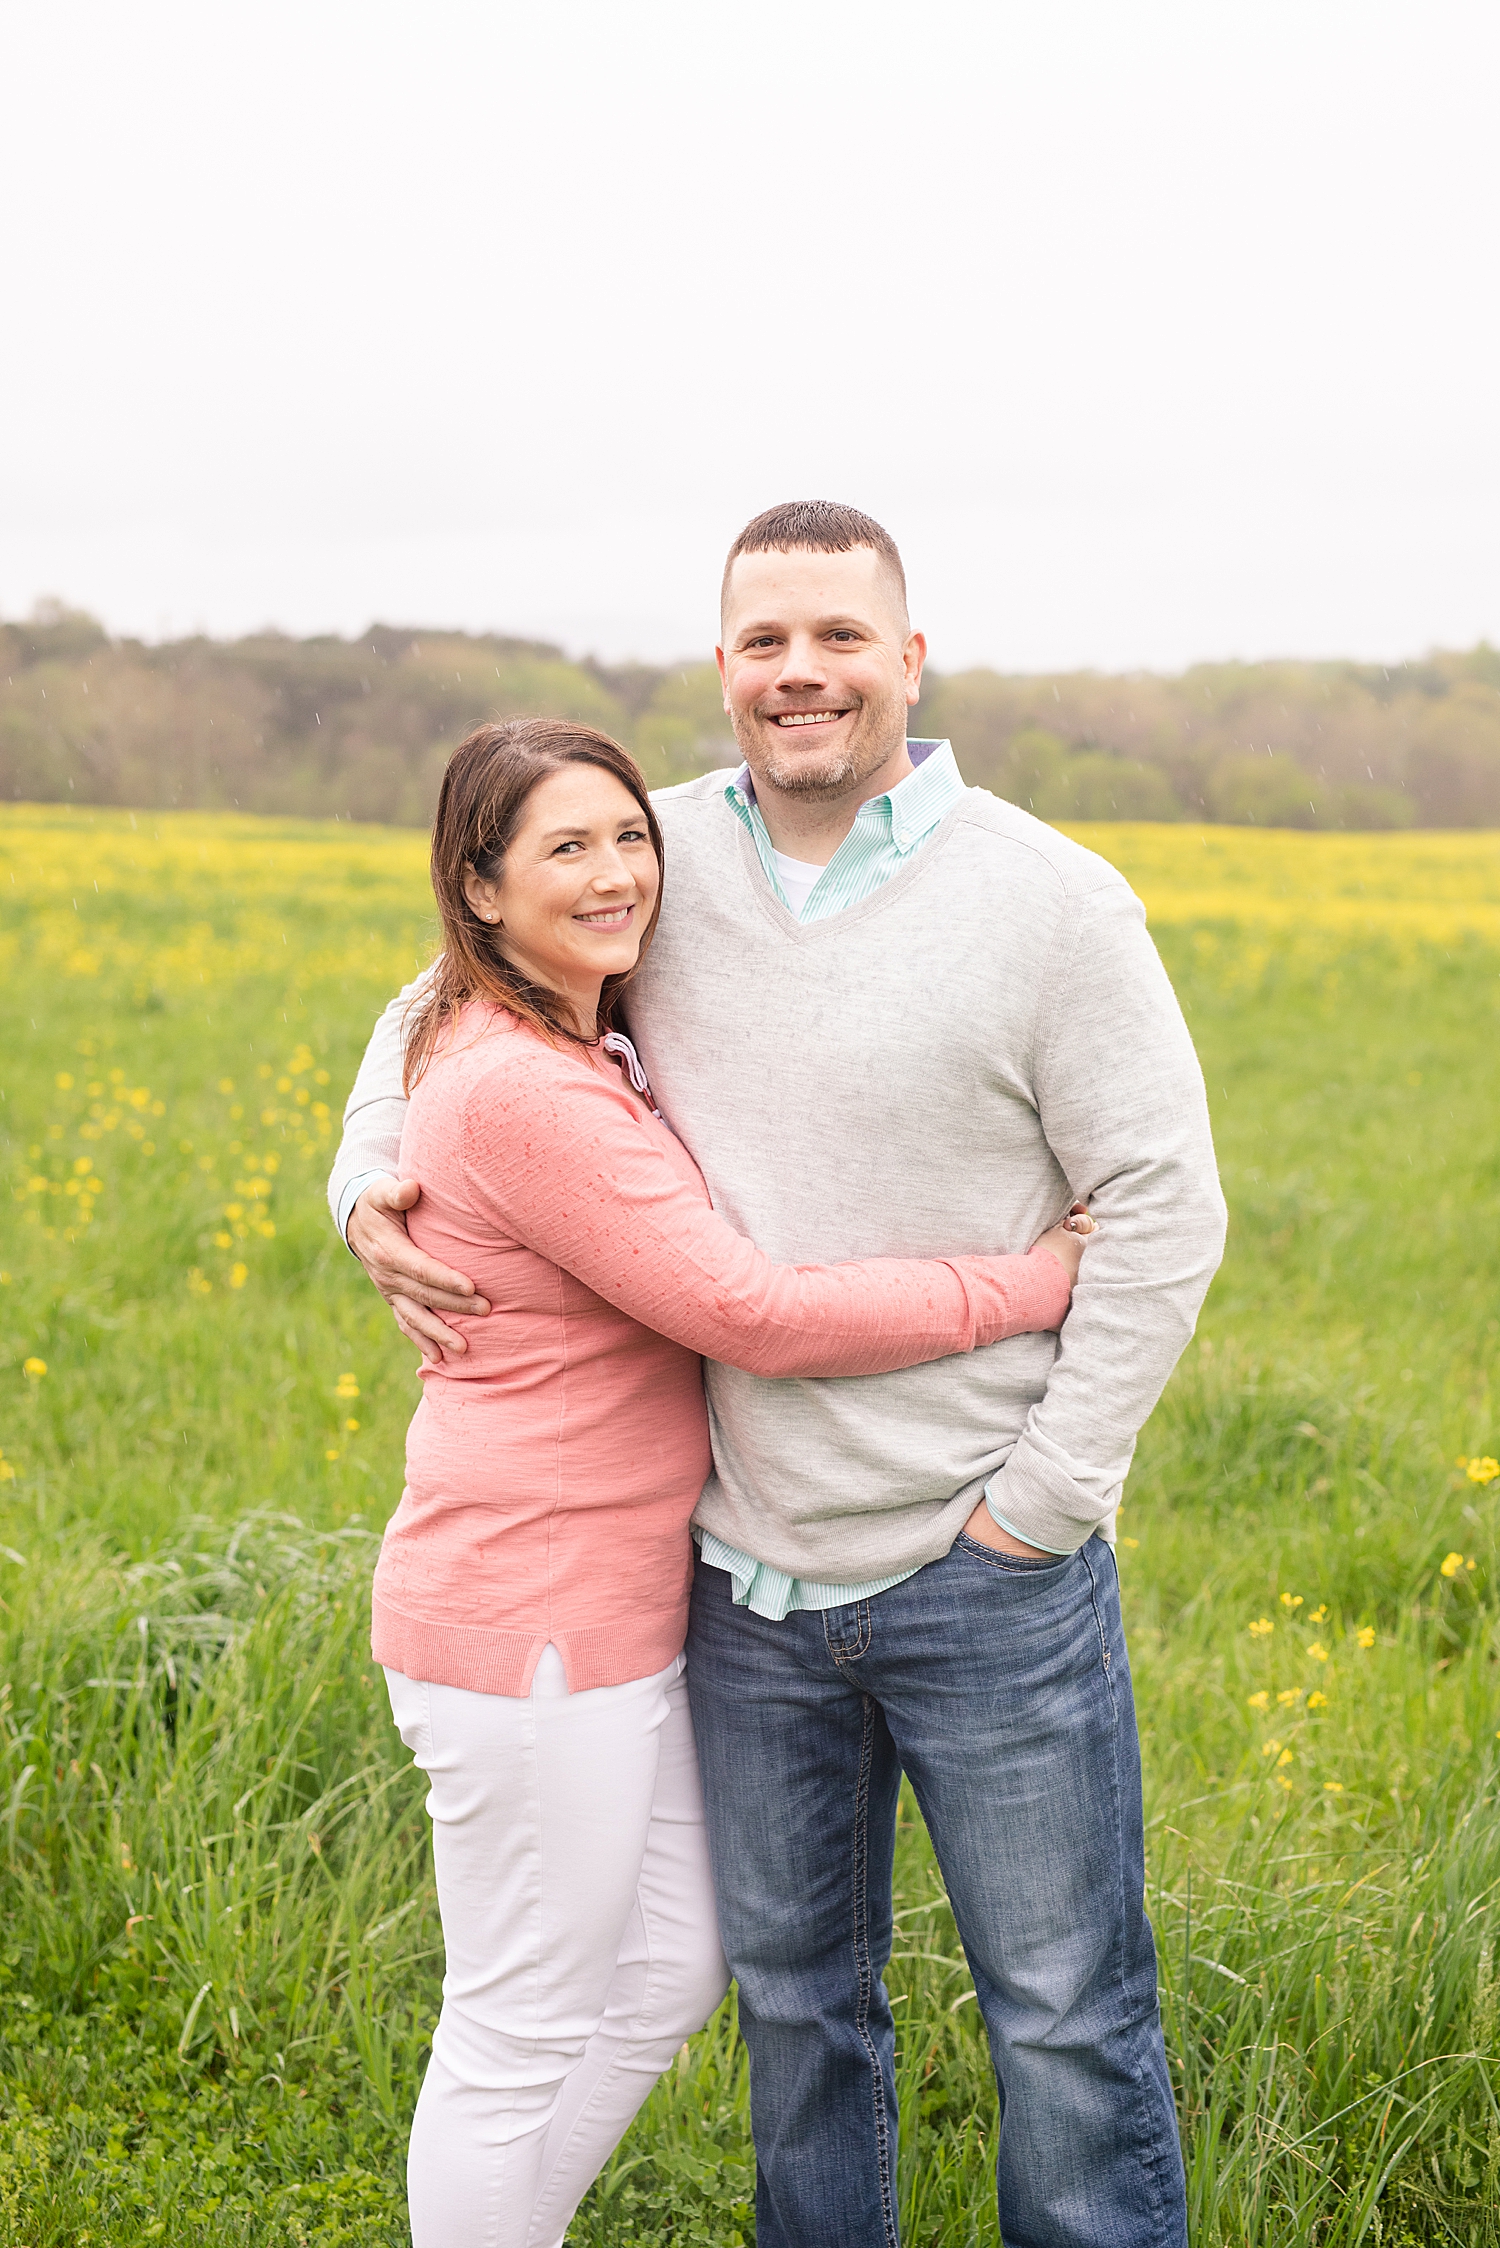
803,664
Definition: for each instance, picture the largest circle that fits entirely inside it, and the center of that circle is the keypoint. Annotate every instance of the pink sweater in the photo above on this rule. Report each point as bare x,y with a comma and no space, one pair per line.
551,1472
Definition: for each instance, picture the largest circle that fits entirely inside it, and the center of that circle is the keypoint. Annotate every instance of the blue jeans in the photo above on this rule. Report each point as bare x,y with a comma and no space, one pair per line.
1002,1689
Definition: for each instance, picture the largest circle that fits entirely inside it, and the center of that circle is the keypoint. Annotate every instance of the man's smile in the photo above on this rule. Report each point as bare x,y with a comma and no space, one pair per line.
806,717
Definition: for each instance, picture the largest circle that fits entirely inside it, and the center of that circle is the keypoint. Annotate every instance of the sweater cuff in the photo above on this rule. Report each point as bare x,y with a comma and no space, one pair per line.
349,1195
1035,1498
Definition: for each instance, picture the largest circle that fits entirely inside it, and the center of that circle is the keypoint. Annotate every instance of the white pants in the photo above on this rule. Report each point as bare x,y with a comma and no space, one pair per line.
582,1944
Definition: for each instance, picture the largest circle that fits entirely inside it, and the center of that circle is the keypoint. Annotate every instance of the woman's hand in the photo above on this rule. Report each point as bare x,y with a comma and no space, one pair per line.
1066,1240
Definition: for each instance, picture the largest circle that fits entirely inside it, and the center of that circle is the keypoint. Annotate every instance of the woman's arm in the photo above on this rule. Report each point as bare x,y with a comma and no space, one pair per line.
569,1166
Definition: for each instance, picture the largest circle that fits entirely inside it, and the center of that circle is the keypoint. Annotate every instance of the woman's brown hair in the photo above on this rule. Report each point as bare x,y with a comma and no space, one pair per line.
489,779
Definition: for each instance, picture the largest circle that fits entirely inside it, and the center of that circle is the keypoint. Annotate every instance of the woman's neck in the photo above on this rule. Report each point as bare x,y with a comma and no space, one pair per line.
584,1008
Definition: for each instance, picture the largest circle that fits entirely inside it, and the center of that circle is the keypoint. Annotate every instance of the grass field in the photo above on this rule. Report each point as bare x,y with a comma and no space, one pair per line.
219,1956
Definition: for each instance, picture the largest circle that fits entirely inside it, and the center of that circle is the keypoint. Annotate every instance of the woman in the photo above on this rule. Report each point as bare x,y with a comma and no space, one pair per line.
531,1595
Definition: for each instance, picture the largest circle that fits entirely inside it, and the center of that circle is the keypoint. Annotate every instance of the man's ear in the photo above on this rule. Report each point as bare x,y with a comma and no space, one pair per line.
913,656
723,679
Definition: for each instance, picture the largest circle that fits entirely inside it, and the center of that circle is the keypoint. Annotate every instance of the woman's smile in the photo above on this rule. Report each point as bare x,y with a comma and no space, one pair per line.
607,917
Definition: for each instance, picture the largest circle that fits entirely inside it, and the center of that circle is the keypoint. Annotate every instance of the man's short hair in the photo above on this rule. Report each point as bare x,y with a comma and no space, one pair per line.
815,527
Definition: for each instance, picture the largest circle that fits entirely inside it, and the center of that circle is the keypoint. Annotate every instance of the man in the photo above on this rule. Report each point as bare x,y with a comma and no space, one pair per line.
892,1016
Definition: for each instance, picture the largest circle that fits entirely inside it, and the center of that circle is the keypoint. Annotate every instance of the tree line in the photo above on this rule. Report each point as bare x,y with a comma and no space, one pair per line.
362,727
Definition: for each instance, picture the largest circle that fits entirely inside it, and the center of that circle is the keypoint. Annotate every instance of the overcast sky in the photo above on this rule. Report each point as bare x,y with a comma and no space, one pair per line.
1153,332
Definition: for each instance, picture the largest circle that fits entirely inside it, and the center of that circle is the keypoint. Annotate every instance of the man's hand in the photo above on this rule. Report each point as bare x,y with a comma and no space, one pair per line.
414,1287
985,1530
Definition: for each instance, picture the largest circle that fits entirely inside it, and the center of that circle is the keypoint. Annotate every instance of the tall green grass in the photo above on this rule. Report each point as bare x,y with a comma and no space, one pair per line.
220,1953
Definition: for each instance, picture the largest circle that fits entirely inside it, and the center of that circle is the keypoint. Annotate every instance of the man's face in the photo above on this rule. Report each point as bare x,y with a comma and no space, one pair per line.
819,667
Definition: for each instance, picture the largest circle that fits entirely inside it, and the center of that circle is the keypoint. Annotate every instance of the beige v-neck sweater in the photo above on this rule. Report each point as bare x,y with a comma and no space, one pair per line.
940,1068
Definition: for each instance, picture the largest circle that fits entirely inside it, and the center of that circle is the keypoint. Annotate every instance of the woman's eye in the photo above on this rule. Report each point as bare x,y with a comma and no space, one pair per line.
557,854
634,835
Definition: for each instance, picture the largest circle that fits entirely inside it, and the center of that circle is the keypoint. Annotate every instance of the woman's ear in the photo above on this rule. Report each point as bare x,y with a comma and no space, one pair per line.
483,897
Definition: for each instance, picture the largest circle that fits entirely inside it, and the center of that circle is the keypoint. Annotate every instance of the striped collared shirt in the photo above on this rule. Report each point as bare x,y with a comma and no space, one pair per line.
886,831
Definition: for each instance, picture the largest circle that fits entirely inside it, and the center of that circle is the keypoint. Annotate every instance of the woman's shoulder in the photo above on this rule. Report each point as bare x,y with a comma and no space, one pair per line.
488,1058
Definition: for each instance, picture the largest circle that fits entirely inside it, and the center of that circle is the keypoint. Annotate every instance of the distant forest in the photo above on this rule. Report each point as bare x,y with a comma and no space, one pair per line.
362,728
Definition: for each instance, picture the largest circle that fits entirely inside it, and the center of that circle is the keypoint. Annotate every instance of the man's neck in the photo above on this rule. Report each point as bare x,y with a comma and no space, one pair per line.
812,828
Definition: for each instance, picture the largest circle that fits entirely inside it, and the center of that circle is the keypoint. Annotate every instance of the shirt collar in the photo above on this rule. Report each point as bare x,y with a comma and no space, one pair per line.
914,806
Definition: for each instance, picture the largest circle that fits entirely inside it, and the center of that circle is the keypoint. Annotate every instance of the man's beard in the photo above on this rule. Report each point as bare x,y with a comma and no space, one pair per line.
877,730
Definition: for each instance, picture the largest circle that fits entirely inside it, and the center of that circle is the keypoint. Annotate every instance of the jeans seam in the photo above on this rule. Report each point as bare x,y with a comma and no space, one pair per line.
1098,1622
863,1973
1151,2156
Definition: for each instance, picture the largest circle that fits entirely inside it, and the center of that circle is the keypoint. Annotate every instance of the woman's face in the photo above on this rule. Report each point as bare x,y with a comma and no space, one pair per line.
577,886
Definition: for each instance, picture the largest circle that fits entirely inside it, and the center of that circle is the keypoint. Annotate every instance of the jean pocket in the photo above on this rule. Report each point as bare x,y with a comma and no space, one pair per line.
1011,1564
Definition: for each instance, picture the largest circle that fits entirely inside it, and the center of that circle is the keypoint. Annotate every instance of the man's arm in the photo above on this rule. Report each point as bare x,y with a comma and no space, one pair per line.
369,1202
1121,1101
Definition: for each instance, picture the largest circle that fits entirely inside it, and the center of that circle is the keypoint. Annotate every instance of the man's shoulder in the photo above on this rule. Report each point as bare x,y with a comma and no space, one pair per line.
707,789
1028,846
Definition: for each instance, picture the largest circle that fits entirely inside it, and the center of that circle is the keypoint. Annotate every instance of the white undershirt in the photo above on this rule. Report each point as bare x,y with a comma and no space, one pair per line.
796,878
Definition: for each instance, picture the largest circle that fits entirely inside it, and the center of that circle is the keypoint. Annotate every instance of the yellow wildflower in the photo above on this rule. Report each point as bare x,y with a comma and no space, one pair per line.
1319,1614
34,1369
1450,1564
1317,1701
1262,1628
1286,1757
199,1284
330,1455
347,1386
1270,1748
1317,1652
64,1082
1291,1600
1289,1695
1333,1787
7,1472
1483,1470
351,1426
238,1275
1258,1701
1366,1635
